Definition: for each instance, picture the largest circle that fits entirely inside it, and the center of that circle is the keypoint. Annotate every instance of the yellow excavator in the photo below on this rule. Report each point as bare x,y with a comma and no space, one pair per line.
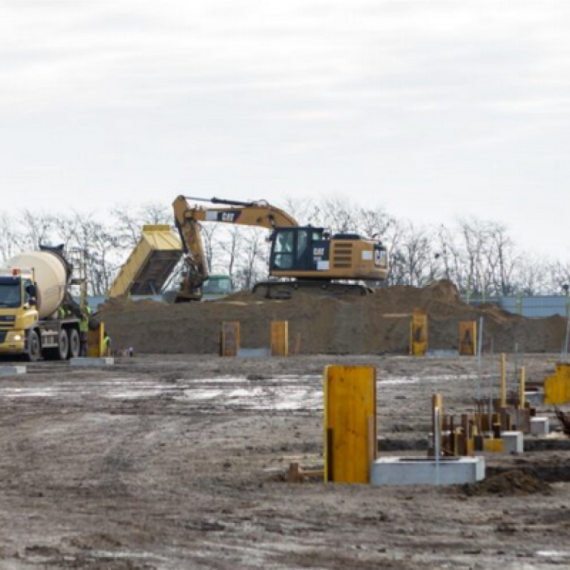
301,256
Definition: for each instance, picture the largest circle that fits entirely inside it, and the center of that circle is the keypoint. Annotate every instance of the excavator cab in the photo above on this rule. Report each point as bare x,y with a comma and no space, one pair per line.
310,253
297,249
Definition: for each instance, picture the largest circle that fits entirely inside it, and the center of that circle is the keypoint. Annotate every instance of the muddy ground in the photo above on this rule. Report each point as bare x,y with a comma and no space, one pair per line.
177,462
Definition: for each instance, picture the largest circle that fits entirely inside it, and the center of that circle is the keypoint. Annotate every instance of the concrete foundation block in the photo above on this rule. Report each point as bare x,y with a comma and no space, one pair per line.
534,398
442,353
11,370
254,353
539,426
92,362
513,441
425,471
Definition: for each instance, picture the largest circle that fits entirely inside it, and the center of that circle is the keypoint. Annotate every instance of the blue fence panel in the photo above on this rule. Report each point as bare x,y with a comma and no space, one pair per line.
538,307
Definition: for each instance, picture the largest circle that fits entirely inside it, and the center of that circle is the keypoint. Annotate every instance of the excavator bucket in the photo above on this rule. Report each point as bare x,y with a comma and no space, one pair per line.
150,264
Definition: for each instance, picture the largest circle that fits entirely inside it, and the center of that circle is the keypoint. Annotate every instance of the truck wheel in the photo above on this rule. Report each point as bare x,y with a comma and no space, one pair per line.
34,350
63,348
74,344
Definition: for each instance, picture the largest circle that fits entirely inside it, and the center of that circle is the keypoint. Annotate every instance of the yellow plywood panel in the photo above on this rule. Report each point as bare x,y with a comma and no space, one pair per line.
280,338
563,370
95,342
350,423
230,338
556,390
468,338
493,445
419,333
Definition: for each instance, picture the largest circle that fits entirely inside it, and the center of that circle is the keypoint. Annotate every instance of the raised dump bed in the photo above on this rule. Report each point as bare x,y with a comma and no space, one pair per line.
150,264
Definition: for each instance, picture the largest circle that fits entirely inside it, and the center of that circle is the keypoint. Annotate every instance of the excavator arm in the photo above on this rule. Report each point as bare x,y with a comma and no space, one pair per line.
188,217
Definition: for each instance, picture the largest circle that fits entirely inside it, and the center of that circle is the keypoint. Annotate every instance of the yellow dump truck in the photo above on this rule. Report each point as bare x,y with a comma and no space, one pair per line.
150,264
38,317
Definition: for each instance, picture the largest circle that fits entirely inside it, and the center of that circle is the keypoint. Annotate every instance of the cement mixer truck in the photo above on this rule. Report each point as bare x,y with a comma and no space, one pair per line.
38,317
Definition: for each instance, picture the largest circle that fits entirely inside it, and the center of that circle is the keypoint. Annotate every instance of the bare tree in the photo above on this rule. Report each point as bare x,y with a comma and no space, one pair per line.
37,229
8,237
231,246
253,246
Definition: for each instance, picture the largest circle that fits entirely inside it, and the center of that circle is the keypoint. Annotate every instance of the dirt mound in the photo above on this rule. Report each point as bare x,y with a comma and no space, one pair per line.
123,304
509,483
372,324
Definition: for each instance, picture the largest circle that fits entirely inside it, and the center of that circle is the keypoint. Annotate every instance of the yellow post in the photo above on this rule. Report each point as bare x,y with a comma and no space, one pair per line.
522,387
350,432
437,430
468,338
95,342
418,332
231,336
280,338
503,380
493,445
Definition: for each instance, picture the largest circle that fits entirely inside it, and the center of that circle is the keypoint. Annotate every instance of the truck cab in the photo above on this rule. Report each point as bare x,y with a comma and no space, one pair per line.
216,287
18,311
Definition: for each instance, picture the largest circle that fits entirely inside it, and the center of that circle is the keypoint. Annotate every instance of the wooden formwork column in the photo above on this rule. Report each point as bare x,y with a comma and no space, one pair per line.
350,437
522,388
503,402
436,424
419,332
468,338
230,338
280,338
96,341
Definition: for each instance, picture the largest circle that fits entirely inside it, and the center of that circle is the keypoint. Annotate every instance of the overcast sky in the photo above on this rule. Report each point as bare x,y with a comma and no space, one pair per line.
432,109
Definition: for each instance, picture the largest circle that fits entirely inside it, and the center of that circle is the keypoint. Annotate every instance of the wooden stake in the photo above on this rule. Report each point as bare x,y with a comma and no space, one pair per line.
503,380
280,338
522,388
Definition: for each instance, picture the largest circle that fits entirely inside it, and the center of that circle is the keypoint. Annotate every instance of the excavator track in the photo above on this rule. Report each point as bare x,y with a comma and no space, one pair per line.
287,289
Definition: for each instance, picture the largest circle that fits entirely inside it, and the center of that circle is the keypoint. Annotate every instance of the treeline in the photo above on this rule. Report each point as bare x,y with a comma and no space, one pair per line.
479,256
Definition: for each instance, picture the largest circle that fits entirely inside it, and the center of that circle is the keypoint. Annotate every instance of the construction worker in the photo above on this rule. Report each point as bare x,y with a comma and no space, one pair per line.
84,332
107,345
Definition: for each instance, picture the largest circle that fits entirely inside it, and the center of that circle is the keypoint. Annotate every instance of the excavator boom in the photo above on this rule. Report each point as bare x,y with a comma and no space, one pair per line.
188,217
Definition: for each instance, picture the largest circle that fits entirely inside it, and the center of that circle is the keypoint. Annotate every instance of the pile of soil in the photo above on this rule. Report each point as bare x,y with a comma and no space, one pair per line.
373,324
123,304
509,483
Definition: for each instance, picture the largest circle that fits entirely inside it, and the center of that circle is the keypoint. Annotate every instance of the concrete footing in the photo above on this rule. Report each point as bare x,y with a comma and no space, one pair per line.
509,442
254,352
426,471
92,362
539,426
11,370
513,441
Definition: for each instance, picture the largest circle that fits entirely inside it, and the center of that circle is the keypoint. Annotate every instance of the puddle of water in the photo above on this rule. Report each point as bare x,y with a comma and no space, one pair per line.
553,553
260,397
134,394
30,393
202,394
